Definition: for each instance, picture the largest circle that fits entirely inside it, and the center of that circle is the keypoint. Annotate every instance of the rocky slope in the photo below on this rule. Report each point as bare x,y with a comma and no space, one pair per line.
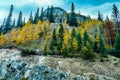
34,67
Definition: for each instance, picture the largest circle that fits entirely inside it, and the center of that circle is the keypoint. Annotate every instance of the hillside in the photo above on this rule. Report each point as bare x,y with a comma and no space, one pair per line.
73,68
55,44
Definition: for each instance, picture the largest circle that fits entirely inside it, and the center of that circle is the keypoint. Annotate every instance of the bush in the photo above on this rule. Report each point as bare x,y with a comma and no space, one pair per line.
87,54
24,78
9,46
25,52
114,52
70,55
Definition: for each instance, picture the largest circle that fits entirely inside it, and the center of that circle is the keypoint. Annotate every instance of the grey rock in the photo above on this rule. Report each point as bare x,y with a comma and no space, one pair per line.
43,72
100,77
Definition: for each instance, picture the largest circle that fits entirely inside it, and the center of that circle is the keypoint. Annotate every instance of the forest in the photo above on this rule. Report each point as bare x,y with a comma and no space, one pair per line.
71,37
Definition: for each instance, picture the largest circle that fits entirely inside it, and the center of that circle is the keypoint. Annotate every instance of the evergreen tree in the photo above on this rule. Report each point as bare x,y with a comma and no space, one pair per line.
95,46
13,25
60,36
20,22
45,49
79,41
31,17
8,23
116,17
85,38
36,16
51,15
24,21
102,47
100,16
42,14
89,18
73,20
107,18
73,34
67,18
117,42
3,24
48,13
53,40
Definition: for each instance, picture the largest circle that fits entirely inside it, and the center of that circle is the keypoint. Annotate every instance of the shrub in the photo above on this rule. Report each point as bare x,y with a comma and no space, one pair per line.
25,52
114,52
24,78
87,54
70,55
9,46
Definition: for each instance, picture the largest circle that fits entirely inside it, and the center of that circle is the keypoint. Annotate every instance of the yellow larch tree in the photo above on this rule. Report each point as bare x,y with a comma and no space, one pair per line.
2,39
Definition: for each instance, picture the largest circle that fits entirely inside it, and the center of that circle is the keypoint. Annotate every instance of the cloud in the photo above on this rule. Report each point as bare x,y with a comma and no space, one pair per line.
86,7
105,9
3,14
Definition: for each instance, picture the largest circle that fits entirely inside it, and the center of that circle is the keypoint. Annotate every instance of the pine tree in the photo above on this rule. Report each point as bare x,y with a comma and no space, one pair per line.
13,25
67,18
107,18
24,21
31,17
42,13
85,38
9,20
60,36
20,22
95,46
3,24
72,39
36,16
73,20
48,13
73,34
116,17
51,15
100,16
102,47
79,41
117,42
53,40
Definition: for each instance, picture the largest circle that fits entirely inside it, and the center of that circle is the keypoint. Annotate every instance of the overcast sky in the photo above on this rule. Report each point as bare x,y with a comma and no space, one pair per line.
86,7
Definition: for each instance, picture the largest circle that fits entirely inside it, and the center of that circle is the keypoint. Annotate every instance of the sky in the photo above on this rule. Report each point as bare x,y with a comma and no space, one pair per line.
85,7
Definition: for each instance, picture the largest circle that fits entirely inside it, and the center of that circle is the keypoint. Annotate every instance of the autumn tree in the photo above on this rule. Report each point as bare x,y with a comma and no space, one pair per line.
2,39
109,32
13,35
